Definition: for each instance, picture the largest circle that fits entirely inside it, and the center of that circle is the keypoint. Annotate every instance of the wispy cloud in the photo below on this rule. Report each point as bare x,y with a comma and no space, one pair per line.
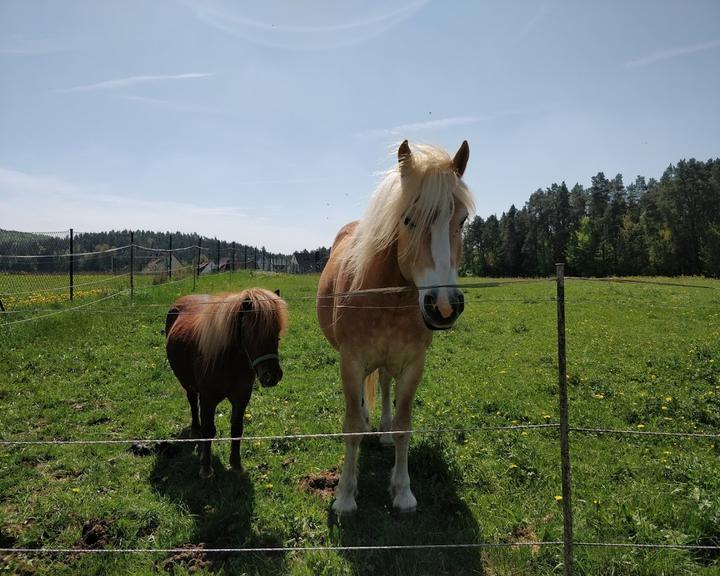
134,81
431,125
170,104
23,44
672,53
230,19
92,208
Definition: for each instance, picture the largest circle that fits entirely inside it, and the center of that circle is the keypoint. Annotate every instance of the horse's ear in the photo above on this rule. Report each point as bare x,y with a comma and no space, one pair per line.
461,158
277,291
247,305
403,152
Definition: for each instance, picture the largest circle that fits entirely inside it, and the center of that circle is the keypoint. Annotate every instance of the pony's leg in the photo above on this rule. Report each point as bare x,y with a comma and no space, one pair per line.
239,403
386,416
352,377
207,428
407,382
193,400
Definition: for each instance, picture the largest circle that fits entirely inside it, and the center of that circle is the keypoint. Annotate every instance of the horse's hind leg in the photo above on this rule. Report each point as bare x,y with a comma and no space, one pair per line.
386,416
207,428
352,377
195,419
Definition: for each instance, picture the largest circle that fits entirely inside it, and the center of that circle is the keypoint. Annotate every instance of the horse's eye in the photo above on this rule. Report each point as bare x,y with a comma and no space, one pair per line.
409,222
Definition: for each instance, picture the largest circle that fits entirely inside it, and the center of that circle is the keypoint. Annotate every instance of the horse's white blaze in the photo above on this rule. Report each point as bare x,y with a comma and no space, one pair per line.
442,273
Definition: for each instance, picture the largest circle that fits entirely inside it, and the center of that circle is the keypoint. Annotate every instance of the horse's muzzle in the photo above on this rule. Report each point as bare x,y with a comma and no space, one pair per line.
269,375
432,314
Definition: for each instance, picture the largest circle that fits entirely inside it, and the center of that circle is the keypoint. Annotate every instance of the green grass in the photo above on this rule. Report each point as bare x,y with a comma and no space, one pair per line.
639,357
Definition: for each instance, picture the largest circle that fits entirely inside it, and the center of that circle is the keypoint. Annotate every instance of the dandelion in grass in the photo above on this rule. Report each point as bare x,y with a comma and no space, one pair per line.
558,498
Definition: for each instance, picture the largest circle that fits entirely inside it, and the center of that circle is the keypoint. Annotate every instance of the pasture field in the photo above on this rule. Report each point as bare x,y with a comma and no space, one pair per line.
640,357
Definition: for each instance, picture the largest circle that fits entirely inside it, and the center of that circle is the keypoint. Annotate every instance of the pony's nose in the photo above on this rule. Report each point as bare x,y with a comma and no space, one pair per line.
271,377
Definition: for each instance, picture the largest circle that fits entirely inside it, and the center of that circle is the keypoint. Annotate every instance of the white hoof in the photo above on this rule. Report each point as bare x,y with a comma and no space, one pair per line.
387,440
344,506
405,502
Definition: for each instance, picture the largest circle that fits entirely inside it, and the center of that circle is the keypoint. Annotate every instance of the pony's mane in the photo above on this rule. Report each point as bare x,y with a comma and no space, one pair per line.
216,324
422,187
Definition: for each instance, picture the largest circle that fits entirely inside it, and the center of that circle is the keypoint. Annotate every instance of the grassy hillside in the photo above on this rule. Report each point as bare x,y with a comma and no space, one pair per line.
641,357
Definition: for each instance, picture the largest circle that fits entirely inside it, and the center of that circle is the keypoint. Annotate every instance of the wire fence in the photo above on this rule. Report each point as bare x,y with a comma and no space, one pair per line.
54,267
150,255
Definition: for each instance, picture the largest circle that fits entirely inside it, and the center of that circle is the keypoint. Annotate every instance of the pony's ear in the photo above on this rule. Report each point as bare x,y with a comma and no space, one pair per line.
403,152
277,291
247,305
461,158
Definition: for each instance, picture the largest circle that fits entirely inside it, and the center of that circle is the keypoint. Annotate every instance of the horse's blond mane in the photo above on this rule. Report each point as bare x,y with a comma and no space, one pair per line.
422,187
216,324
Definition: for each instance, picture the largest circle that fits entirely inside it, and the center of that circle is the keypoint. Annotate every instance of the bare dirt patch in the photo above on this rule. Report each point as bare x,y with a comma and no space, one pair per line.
193,558
321,484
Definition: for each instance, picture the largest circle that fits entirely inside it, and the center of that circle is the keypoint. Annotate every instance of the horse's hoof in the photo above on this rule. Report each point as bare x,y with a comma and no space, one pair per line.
206,473
345,507
405,503
237,467
387,440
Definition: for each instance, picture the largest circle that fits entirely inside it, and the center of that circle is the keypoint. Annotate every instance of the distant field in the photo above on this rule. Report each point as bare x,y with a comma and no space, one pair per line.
640,357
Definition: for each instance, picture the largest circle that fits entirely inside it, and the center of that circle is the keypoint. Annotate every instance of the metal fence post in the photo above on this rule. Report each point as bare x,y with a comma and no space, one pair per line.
72,265
255,260
218,256
232,266
170,255
196,272
245,261
564,425
132,265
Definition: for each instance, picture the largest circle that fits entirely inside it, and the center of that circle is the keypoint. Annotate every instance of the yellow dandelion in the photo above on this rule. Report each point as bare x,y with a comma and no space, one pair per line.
558,498
599,396
641,425
668,399
512,466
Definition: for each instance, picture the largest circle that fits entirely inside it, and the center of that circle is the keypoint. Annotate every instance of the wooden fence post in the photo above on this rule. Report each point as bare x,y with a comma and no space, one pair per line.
564,425
72,266
132,265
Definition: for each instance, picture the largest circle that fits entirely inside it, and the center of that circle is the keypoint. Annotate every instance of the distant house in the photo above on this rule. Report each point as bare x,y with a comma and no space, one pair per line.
308,262
159,265
207,267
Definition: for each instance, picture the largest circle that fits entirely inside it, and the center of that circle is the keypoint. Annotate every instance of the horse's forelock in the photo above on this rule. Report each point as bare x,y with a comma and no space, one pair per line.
216,324
424,186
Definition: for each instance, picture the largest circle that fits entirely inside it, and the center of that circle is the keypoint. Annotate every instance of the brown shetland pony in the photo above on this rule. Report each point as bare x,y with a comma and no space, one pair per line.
409,240
216,345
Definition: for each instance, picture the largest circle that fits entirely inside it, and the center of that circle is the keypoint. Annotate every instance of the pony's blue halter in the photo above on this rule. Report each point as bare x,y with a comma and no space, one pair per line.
262,358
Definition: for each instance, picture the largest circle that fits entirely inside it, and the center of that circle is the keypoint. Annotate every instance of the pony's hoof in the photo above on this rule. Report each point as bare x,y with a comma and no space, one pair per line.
237,467
206,473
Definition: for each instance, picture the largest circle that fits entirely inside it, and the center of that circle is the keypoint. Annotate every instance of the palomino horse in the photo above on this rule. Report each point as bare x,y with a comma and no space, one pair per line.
409,240
216,345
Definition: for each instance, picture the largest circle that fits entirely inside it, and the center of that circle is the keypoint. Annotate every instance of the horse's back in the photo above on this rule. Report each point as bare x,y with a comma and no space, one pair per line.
180,344
332,281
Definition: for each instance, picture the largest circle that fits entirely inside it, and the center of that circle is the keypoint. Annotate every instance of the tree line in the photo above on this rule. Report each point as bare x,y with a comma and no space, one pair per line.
669,226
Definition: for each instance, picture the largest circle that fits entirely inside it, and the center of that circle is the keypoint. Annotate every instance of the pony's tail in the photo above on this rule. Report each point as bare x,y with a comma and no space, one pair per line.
371,381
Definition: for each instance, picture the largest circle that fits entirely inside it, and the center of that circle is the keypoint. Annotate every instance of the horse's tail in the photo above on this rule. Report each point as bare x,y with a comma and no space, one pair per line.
371,381
172,315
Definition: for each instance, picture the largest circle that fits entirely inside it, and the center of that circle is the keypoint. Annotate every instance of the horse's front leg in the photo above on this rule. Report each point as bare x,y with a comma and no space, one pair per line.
239,404
207,429
352,373
407,382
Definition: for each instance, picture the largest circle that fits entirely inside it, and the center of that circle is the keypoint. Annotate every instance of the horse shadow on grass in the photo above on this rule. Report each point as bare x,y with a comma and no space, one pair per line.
221,508
441,517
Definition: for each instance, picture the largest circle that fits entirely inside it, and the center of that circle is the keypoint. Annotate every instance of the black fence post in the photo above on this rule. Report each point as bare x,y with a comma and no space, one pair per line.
217,263
72,266
564,425
196,274
170,255
132,265
245,261
232,266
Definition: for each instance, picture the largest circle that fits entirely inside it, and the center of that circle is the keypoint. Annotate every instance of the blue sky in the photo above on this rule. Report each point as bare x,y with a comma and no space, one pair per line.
269,122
